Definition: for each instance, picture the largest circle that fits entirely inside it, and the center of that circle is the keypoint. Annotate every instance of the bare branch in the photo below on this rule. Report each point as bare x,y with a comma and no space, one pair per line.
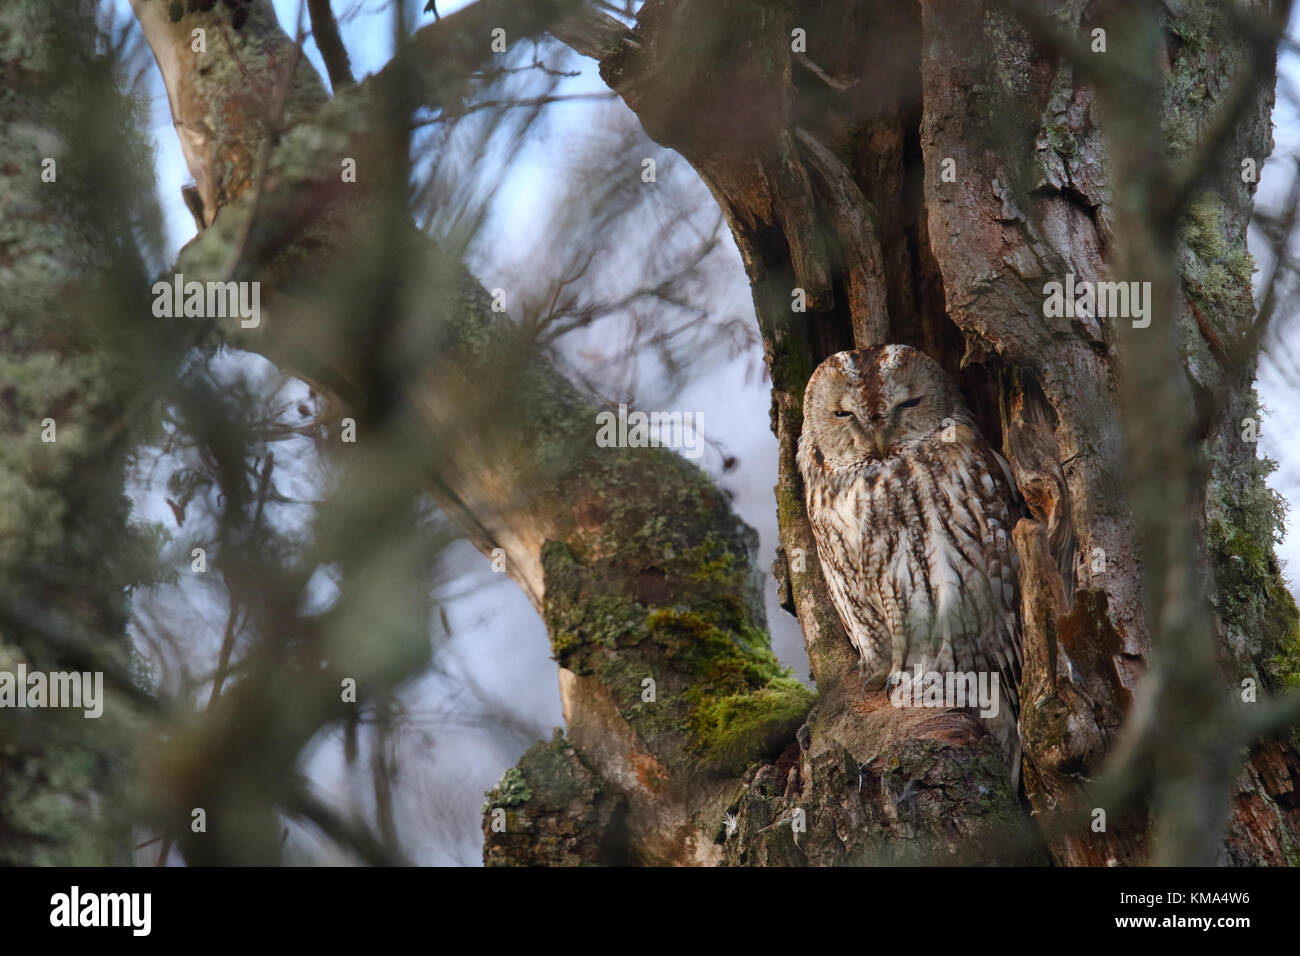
325,30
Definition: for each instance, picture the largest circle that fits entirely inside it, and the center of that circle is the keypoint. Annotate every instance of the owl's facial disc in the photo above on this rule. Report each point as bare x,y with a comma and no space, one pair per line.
864,409
875,429
858,429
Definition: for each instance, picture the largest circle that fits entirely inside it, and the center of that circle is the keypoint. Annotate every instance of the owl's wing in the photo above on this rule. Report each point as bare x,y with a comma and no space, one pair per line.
1002,508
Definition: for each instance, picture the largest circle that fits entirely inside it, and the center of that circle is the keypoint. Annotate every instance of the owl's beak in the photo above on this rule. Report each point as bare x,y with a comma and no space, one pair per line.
880,438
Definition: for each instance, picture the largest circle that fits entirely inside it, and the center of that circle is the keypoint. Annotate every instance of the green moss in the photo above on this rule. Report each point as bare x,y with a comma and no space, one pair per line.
510,792
743,704
1194,68
791,363
1245,521
736,729
1217,268
1062,140
1286,665
1201,229
1196,22
790,506
711,569
561,644
1290,849
717,682
1180,132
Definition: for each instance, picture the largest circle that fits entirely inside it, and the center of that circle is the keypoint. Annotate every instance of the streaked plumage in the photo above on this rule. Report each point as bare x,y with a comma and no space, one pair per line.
912,512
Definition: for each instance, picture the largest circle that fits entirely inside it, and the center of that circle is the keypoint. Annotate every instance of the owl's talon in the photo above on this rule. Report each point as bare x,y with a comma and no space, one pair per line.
875,681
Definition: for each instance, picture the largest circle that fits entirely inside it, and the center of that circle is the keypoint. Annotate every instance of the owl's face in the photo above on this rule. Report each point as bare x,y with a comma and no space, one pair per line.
865,404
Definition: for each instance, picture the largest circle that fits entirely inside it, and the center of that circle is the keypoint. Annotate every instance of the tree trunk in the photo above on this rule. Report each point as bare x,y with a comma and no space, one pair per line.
68,192
829,165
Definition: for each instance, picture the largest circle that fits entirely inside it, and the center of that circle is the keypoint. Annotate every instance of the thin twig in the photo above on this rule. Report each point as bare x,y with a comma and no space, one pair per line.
325,31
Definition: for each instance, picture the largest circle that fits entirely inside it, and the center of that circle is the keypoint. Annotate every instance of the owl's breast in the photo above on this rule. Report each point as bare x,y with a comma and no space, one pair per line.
922,538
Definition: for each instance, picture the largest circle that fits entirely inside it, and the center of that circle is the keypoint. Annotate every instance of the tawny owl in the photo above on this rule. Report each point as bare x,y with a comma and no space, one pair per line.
912,512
